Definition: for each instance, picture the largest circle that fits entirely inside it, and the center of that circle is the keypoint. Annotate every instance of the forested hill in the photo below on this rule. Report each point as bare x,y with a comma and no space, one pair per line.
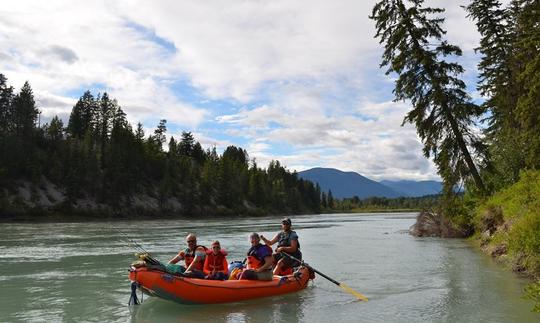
99,164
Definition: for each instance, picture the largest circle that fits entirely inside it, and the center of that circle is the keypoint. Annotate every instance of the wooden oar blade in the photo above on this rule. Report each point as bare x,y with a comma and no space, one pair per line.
353,292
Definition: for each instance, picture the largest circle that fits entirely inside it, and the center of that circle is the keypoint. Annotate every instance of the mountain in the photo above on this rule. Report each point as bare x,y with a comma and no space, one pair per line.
347,184
414,188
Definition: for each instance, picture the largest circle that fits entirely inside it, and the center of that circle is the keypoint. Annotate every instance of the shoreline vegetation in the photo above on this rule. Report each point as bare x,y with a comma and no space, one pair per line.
489,146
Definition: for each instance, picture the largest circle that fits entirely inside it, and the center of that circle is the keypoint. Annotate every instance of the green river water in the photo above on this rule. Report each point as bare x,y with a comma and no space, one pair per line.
77,272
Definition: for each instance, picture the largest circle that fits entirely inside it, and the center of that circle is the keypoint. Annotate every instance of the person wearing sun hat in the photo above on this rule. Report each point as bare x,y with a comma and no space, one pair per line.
288,243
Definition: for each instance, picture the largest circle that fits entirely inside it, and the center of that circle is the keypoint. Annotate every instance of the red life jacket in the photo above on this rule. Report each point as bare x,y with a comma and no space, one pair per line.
253,260
215,262
189,255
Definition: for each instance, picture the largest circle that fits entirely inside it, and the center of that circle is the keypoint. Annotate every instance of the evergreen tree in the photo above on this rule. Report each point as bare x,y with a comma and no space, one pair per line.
83,116
509,70
55,129
324,203
186,144
198,153
159,134
6,106
527,45
139,133
442,111
330,199
25,112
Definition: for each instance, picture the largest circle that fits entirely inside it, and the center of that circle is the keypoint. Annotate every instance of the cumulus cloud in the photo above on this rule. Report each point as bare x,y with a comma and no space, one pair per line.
300,79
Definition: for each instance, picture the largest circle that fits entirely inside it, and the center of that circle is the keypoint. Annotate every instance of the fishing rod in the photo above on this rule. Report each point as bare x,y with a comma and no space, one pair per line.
145,254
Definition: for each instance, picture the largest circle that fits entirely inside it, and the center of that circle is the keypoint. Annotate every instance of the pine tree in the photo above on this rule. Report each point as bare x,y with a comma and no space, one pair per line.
442,111
6,106
330,200
527,45
324,202
186,144
139,133
159,134
509,70
25,112
55,129
83,116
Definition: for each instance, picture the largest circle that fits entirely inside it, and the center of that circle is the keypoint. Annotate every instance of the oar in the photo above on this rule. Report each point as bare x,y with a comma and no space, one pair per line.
342,285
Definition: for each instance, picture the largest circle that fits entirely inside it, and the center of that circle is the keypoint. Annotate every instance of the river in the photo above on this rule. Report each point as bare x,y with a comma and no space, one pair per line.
77,272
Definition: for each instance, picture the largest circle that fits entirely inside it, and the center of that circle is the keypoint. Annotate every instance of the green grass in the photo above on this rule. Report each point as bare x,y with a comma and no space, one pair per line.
513,215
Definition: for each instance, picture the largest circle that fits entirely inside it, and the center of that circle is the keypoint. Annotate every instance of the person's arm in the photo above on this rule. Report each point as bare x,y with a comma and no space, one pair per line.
225,266
199,252
290,249
206,268
177,258
268,263
270,242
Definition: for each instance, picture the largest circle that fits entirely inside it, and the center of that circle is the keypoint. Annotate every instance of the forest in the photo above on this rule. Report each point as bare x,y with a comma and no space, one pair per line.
99,157
490,145
98,165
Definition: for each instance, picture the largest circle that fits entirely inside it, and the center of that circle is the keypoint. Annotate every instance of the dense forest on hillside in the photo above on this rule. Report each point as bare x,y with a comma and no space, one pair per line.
99,165
493,147
99,157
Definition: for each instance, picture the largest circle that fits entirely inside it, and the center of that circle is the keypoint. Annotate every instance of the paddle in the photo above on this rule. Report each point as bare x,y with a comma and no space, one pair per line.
342,285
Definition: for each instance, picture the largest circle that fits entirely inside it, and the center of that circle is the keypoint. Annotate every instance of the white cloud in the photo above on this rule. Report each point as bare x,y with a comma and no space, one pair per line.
58,48
305,73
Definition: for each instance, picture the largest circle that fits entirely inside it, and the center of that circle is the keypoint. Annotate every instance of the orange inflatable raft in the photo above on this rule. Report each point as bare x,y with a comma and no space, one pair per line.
201,291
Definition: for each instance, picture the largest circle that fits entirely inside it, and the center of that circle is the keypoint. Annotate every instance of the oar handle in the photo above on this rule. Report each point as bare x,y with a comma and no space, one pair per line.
308,266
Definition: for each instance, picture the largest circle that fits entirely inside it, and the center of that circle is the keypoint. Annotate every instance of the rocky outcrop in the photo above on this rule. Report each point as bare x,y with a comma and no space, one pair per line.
430,224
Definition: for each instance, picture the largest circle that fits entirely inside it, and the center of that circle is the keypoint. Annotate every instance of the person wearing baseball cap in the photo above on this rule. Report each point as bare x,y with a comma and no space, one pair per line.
288,243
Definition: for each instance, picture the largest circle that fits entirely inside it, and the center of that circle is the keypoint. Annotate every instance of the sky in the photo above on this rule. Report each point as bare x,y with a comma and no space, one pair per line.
296,81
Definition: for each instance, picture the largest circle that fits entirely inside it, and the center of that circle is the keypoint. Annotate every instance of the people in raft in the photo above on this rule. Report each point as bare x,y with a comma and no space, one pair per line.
259,260
194,256
215,264
287,243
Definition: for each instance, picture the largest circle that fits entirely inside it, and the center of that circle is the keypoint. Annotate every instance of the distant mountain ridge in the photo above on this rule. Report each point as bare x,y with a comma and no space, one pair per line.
414,188
349,184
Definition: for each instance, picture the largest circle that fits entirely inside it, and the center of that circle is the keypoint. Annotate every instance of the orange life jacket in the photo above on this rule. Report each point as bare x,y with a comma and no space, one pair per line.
253,260
189,255
215,262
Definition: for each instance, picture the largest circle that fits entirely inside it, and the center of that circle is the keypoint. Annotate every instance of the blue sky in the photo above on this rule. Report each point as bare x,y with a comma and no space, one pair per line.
294,81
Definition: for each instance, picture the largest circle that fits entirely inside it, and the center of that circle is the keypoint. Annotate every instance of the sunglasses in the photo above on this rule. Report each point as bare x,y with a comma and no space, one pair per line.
190,241
216,247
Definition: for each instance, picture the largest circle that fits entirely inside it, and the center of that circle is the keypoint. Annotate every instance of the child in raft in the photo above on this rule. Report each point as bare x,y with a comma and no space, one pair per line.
215,264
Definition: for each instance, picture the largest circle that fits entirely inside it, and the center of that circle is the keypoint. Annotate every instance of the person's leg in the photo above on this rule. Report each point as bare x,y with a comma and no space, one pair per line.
265,275
279,266
248,274
195,274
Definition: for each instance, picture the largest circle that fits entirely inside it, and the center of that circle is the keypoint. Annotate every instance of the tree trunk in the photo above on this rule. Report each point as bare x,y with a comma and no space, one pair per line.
468,159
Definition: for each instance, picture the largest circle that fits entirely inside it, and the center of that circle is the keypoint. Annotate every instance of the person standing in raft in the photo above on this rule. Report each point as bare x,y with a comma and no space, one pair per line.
288,243
215,264
193,256
259,260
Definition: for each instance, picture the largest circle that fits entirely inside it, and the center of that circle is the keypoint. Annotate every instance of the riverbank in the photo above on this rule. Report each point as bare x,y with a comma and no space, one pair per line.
505,226
25,201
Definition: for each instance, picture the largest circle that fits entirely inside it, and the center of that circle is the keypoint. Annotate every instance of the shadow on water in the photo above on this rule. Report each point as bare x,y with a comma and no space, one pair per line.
285,308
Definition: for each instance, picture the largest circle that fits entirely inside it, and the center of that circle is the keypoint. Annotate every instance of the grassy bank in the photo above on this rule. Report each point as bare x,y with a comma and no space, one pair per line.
507,226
